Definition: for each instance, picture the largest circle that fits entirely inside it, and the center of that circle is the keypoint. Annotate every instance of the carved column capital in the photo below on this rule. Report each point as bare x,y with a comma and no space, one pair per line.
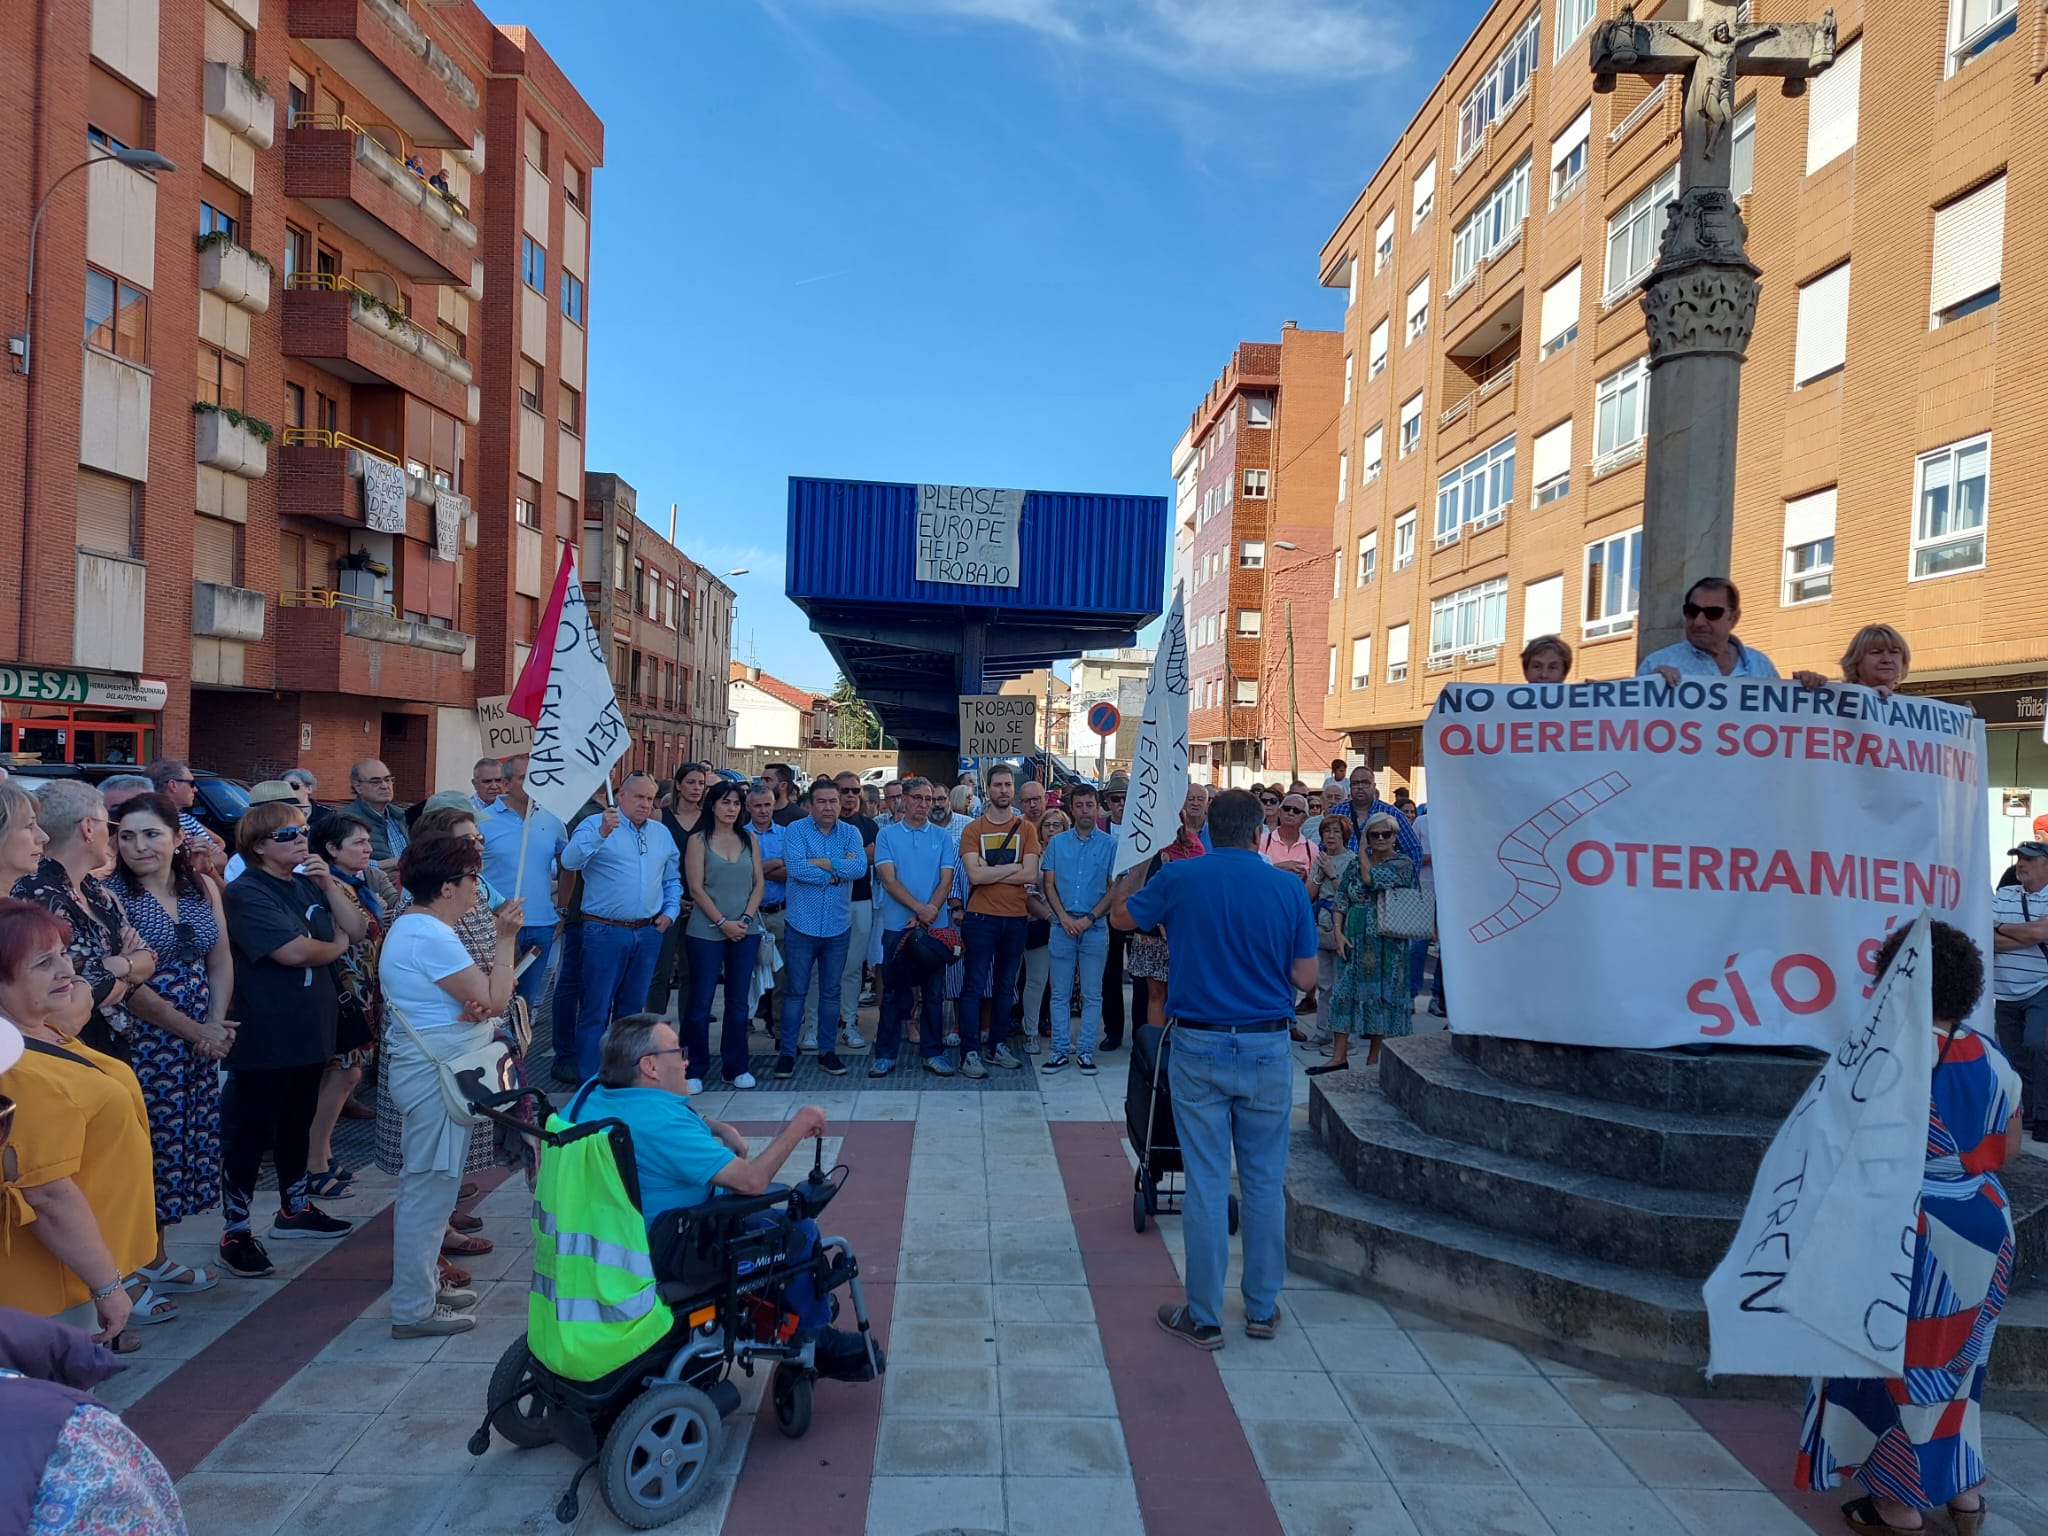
1700,298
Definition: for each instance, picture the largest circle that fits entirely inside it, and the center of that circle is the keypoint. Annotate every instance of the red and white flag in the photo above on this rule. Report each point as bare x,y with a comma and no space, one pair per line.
566,691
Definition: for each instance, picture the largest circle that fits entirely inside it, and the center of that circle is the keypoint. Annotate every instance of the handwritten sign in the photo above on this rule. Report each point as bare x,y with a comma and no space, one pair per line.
998,725
967,535
565,690
1818,1277
505,734
1159,764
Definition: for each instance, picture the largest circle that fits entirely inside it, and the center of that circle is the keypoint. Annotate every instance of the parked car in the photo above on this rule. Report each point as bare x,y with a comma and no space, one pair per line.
220,803
879,776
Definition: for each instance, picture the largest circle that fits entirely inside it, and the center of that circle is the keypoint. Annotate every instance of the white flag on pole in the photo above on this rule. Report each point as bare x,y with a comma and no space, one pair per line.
1159,766
1817,1280
566,691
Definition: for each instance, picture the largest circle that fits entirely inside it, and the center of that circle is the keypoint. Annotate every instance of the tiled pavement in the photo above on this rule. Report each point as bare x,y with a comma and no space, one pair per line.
1027,1390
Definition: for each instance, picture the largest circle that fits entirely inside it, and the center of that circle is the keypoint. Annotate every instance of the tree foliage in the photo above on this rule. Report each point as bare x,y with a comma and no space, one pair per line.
859,728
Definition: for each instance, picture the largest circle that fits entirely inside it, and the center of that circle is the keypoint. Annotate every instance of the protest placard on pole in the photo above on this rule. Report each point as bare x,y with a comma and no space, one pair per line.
1159,762
566,691
998,725
1818,1278
505,734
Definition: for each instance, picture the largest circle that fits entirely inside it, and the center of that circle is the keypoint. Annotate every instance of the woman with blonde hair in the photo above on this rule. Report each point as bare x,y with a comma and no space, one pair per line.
1878,657
22,838
1371,997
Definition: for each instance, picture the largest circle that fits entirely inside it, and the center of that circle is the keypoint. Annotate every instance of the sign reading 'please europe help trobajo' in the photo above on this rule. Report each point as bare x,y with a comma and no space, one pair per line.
967,535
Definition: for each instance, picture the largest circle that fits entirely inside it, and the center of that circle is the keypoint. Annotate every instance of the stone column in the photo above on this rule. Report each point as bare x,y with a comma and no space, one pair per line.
1700,305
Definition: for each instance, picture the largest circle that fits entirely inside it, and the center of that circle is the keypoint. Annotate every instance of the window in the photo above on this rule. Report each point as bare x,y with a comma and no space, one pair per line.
1831,108
1248,621
216,550
1550,464
533,264
1247,691
1383,244
1411,426
1742,154
572,184
1573,17
1614,574
529,383
1477,493
1255,484
1618,413
1404,540
526,502
1361,661
298,252
1569,152
1543,607
1503,84
1948,524
1351,282
1495,224
1822,341
106,513
1633,232
1376,351
1343,473
1969,246
1397,654
1368,558
1809,548
1418,310
219,216
1251,555
116,316
1425,193
221,379
536,146
299,95
1470,619
116,114
295,405
1974,25
1374,452
1332,688
1561,313
572,297
1258,410
1350,375
570,408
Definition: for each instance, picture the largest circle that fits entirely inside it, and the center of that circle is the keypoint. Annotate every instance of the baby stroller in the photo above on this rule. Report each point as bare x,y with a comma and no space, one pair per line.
1148,1116
631,1372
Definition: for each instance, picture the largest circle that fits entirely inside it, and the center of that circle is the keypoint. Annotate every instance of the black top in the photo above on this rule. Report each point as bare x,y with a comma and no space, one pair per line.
793,811
287,1012
864,887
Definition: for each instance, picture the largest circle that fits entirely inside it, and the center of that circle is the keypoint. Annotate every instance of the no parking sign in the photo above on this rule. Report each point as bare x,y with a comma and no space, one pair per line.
1104,718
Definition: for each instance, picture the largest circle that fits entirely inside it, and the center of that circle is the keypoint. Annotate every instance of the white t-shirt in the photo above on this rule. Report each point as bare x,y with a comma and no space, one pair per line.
420,952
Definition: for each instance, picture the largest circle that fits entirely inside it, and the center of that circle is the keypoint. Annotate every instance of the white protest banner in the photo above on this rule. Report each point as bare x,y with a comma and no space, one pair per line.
968,535
383,495
505,734
1159,762
450,510
1817,1280
1631,864
998,725
565,690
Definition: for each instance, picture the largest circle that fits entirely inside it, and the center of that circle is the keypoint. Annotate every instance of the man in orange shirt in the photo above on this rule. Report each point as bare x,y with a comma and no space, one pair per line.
999,850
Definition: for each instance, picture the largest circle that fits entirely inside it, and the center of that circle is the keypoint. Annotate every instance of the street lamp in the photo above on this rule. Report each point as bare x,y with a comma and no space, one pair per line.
120,154
738,570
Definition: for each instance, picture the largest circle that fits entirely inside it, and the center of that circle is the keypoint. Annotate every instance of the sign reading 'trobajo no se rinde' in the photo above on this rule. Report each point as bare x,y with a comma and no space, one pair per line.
998,725
967,535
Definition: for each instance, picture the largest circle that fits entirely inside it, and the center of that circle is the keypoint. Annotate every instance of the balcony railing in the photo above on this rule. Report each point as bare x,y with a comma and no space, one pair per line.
1492,384
320,437
324,597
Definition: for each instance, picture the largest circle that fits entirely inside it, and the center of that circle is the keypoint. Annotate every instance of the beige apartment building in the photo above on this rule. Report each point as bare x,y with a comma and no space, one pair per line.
1888,440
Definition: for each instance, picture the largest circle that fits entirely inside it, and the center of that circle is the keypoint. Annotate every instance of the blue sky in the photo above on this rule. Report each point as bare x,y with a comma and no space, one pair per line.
1003,242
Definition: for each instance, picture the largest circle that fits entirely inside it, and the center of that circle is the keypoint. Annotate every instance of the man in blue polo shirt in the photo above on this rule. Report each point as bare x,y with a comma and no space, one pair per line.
1243,942
1074,876
914,864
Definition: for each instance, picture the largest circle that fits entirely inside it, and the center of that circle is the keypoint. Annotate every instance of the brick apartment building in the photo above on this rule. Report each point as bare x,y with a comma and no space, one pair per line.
291,490
1251,543
670,625
1888,411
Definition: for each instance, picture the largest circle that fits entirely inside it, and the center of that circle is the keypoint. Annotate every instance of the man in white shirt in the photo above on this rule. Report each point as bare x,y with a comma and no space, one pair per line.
1713,607
2019,978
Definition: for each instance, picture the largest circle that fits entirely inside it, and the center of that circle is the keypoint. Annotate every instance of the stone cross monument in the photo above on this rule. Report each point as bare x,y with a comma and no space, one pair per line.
1700,298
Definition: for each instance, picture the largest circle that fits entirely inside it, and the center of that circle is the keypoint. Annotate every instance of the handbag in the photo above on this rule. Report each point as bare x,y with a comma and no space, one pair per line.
1406,912
488,1060
1326,927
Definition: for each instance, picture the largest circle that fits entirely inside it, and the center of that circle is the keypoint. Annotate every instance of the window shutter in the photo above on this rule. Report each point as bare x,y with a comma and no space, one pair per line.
115,107
536,146
1397,646
1823,337
1543,605
1379,344
106,513
1418,299
1552,457
1580,130
1560,306
1810,518
213,550
1375,444
1385,233
1831,108
1969,244
224,40
1412,411
1425,189
1361,659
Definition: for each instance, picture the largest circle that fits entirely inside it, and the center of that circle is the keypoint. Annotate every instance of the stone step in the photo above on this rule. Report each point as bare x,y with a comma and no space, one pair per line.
1382,1153
1730,1081
1431,1082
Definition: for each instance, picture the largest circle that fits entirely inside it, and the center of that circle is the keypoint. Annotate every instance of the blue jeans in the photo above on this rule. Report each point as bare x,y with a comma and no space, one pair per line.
1088,954
618,964
804,953
542,939
899,997
1418,962
713,961
995,949
1232,1092
568,997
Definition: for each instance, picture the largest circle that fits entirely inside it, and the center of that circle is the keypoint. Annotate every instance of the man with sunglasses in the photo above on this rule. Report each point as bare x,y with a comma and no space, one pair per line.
172,777
1713,607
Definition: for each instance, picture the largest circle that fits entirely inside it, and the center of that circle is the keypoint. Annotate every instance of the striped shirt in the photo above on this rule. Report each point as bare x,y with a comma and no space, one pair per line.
821,904
2017,974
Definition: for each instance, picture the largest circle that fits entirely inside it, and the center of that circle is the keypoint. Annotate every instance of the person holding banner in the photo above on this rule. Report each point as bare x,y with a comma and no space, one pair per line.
1713,607
1371,996
1916,1444
632,895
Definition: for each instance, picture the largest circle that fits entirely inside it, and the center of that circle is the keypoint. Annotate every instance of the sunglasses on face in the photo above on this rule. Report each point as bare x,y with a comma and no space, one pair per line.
1292,810
288,835
1383,837
1267,800
1711,611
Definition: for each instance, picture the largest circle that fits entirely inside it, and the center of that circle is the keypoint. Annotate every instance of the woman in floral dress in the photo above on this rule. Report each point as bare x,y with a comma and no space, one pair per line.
1372,973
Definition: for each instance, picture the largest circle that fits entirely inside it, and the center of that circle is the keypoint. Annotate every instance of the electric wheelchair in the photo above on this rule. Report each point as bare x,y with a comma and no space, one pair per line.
653,1425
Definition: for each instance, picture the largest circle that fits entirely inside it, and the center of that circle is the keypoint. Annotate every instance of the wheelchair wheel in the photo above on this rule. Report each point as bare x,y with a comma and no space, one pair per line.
1138,1212
523,1421
658,1458
793,1390
1233,1215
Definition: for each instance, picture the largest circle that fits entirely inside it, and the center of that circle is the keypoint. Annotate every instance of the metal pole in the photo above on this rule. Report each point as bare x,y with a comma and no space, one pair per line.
1046,762
1293,720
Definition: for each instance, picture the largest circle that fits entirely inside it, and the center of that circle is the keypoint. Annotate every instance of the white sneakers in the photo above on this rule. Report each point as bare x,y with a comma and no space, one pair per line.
851,1039
744,1080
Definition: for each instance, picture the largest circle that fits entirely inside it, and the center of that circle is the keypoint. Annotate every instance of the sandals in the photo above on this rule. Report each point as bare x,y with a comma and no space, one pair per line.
1968,1522
150,1308
461,1222
464,1247
1861,1515
125,1342
329,1185
453,1275
175,1279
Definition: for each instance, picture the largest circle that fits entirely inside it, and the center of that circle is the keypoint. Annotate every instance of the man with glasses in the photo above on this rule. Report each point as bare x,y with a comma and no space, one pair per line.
375,792
1364,804
892,803
1713,607
860,908
632,894
914,863
172,777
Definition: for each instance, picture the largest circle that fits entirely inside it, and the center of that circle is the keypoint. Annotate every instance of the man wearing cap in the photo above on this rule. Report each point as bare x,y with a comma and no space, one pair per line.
2019,977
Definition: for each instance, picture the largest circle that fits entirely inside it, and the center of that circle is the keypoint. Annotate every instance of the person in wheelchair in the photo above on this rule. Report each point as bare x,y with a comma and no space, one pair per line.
683,1159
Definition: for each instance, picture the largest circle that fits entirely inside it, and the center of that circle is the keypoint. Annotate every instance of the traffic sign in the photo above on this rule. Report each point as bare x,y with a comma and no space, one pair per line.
1104,718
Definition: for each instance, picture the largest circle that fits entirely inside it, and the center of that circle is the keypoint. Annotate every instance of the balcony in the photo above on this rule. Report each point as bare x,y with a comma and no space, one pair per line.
227,613
327,643
357,336
235,100
229,272
320,476
385,56
343,170
230,441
